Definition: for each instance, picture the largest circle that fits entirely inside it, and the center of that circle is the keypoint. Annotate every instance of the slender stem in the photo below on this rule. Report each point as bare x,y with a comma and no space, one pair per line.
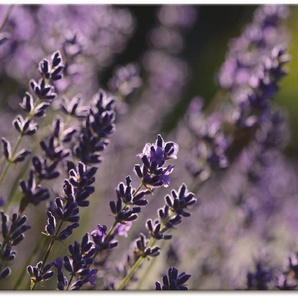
133,269
8,12
54,238
28,261
8,163
12,195
69,283
140,260
29,117
148,269
1,160
51,246
112,228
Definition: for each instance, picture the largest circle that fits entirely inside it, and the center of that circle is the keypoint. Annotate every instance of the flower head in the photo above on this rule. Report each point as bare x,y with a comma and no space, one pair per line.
154,156
160,151
173,281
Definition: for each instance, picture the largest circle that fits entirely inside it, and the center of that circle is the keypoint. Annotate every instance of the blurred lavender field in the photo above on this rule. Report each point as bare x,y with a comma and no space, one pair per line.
217,82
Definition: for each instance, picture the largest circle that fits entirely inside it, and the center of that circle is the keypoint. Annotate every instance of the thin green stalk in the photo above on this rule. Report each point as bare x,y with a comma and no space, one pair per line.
148,269
8,163
15,183
51,245
28,261
135,267
54,238
69,283
140,260
1,160
112,228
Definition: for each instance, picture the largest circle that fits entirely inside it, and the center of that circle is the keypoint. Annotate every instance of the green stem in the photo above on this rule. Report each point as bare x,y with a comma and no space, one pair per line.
69,283
28,261
112,229
54,238
148,269
140,260
135,267
8,163
15,183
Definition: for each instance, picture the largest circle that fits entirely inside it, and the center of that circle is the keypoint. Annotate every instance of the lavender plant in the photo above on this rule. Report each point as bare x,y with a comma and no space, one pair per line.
228,217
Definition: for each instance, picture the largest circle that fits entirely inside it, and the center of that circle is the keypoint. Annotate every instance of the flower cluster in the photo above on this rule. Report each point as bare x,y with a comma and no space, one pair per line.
173,281
76,190
210,142
255,65
77,264
96,127
152,173
44,92
125,81
169,216
13,230
39,272
130,200
113,81
259,279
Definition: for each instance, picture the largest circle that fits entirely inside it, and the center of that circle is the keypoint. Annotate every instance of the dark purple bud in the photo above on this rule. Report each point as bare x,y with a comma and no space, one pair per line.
56,59
5,272
27,103
6,149
21,155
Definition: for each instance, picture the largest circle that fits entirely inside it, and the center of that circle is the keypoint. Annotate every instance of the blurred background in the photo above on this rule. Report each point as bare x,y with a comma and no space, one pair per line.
206,46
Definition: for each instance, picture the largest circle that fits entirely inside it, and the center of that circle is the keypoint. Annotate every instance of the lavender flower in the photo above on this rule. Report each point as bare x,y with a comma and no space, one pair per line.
82,179
173,281
66,209
97,126
33,193
99,238
13,234
72,107
152,173
209,145
143,248
255,64
45,92
288,280
77,264
18,157
125,80
169,216
232,145
130,200
259,279
37,274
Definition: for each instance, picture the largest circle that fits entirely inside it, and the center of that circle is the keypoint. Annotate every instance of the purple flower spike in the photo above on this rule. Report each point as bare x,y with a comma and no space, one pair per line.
99,238
173,281
122,229
160,151
152,173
